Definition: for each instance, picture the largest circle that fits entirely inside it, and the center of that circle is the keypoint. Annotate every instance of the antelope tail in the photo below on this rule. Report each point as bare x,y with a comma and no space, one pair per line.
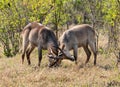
96,44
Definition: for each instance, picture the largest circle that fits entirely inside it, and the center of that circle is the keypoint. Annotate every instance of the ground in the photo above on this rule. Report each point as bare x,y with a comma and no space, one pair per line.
104,74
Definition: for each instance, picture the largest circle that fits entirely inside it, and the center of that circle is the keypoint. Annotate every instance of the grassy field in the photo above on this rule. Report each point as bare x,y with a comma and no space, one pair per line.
104,74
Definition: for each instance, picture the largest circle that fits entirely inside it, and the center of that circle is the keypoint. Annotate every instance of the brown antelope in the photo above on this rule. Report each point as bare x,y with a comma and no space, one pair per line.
78,36
36,35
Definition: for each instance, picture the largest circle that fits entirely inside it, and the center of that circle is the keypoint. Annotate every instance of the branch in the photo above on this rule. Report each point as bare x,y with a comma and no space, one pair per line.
118,2
45,14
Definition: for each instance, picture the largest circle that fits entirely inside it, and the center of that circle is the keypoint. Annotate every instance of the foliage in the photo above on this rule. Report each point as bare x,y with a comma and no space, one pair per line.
104,74
15,14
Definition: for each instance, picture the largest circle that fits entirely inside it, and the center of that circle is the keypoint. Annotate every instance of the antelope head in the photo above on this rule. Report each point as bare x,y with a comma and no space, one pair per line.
55,60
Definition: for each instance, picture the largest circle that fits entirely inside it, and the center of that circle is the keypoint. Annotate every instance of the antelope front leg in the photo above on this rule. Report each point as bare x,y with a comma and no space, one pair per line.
23,56
39,55
75,52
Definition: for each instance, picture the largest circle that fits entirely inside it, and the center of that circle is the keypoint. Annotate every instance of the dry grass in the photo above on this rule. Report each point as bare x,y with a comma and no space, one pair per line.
104,74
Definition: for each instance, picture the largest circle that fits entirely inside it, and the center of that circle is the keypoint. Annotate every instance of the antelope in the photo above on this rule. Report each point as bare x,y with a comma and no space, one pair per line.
36,35
76,37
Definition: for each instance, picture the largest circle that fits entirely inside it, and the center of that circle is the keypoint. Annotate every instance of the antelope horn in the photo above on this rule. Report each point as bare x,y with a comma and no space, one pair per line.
51,51
51,56
66,57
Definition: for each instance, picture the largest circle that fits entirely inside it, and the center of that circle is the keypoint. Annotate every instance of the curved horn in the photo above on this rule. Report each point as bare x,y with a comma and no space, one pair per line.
51,56
51,50
58,57
66,57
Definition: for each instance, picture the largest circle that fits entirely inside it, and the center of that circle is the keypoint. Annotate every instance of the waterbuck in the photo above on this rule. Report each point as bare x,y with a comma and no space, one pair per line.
78,36
36,35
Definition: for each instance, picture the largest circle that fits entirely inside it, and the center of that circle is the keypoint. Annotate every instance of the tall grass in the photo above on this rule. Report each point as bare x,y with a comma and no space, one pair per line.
104,74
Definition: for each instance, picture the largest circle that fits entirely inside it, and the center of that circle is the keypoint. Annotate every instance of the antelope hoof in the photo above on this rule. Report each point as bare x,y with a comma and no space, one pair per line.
29,63
38,65
72,59
76,62
94,63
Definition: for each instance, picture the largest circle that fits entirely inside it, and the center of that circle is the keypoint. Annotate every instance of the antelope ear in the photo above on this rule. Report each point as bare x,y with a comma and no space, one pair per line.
50,50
